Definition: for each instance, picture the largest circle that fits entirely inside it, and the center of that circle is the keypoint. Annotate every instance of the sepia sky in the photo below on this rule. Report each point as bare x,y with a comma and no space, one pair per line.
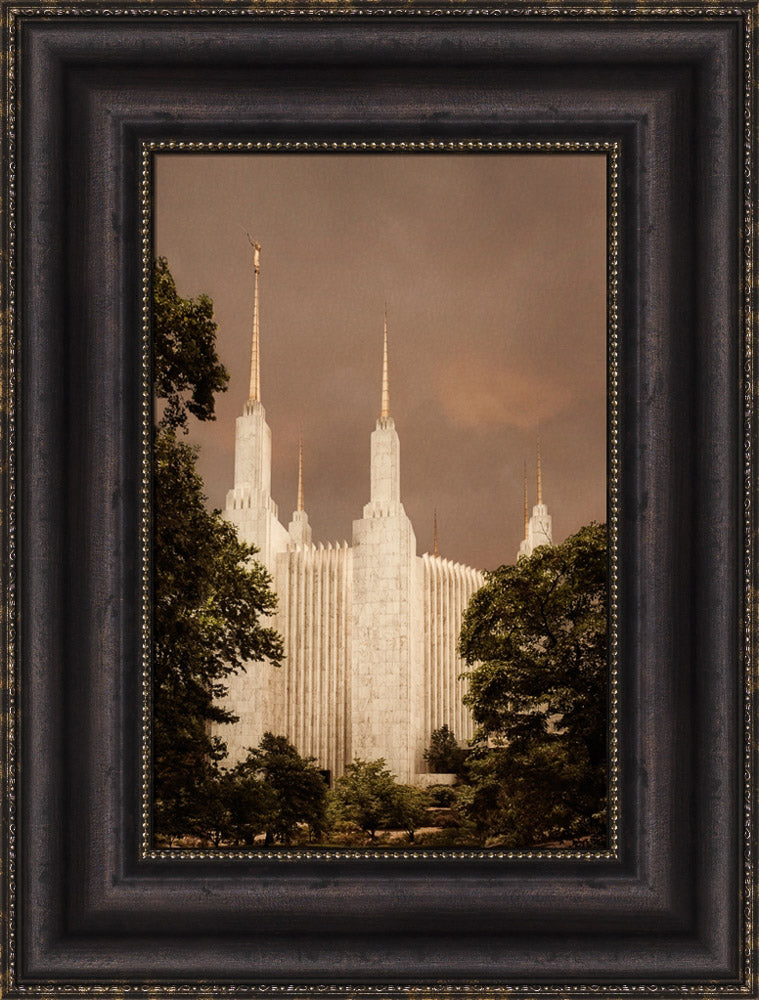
493,268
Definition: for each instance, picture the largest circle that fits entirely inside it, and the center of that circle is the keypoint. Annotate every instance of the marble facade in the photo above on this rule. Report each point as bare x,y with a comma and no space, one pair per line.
370,628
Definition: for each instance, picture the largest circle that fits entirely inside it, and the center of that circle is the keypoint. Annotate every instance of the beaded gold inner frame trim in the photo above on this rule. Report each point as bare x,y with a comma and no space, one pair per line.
12,720
611,150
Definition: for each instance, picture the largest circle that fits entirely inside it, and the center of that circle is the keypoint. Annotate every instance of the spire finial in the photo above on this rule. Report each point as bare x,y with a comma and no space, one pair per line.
254,395
385,380
300,473
526,508
434,532
540,476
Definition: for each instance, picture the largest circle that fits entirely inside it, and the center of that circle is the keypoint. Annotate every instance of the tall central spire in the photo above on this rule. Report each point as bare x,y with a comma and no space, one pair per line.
299,529
526,509
385,381
540,476
300,474
385,479
254,395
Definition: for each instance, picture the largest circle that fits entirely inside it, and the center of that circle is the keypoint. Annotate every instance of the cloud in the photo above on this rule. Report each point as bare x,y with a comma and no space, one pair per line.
477,393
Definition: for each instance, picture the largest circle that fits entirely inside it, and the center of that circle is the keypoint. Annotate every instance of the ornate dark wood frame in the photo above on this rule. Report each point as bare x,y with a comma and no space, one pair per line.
672,910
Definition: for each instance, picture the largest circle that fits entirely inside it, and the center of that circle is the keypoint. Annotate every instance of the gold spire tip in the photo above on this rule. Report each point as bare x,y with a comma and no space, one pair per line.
385,381
254,393
256,251
540,476
300,473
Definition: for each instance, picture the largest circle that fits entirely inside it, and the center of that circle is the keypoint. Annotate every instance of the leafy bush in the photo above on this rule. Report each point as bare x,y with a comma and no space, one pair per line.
442,795
444,755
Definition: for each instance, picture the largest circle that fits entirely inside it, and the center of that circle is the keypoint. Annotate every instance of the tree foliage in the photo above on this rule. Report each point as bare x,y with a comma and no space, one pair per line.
249,802
444,755
536,638
274,792
409,809
298,790
208,592
367,796
186,368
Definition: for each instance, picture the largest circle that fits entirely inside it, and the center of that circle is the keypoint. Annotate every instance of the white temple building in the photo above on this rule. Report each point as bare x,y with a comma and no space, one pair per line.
537,529
370,628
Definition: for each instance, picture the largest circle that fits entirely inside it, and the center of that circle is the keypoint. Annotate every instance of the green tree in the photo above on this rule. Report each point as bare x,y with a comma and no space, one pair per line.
212,819
536,638
251,802
186,368
294,791
365,795
208,592
444,755
409,809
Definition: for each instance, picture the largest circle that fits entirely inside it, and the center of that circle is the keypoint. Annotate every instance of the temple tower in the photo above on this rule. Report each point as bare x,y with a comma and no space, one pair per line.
256,696
387,681
538,528
299,529
249,503
370,630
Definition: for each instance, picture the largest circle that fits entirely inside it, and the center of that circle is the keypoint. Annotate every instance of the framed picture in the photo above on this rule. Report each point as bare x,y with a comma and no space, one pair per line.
573,189
374,729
